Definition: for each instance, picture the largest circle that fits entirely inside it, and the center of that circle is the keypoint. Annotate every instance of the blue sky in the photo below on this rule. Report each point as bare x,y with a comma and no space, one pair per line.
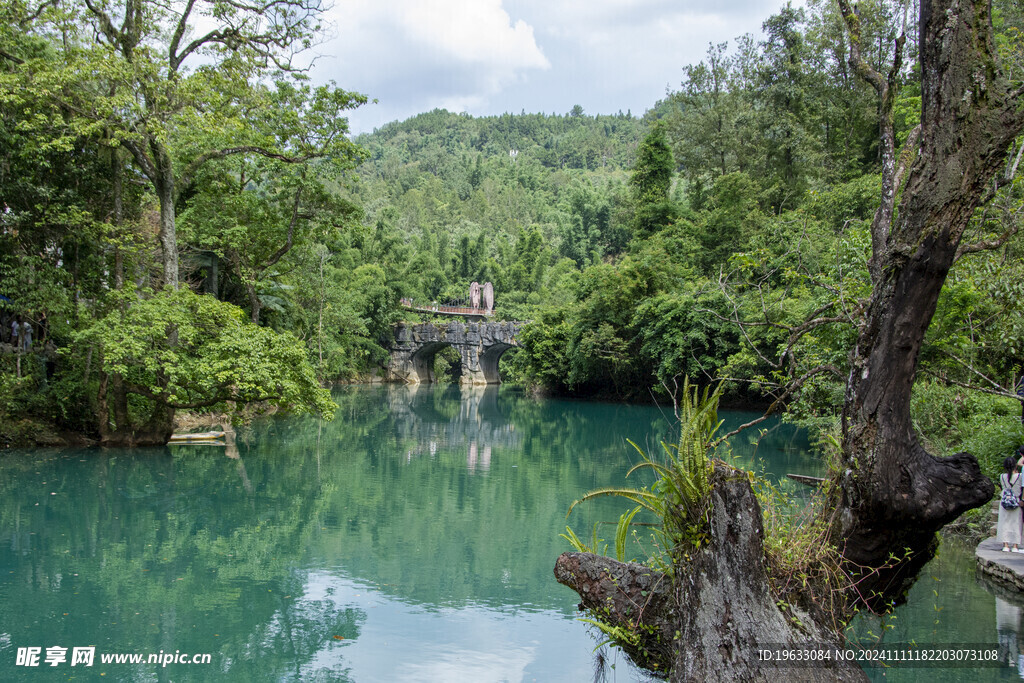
492,56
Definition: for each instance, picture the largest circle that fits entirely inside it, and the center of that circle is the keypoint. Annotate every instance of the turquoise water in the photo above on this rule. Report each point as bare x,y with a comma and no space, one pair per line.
951,607
411,538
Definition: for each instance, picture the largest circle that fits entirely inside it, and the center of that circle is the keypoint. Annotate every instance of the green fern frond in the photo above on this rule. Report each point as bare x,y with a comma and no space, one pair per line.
621,531
638,496
660,469
575,541
679,495
614,633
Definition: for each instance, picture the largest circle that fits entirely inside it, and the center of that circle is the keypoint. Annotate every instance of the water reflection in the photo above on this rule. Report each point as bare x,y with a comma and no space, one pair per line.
412,537
950,606
1009,610
472,643
423,415
1008,630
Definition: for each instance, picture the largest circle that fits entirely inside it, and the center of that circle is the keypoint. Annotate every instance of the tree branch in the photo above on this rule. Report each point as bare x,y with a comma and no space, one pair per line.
790,389
106,25
881,224
286,247
179,32
860,67
977,372
972,387
229,38
987,245
1011,170
222,396
1010,219
742,326
11,58
28,19
144,162
907,153
234,398
198,162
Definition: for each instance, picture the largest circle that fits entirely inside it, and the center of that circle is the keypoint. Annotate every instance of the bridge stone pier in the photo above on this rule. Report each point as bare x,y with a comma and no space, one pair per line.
480,345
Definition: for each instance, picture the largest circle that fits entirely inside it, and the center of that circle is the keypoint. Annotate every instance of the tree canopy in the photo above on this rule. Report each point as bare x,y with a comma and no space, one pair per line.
108,94
693,240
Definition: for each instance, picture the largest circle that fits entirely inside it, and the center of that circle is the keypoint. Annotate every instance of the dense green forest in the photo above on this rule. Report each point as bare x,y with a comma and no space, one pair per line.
190,226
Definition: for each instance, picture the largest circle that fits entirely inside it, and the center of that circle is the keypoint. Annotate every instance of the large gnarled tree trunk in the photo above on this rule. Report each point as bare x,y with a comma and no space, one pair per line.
891,495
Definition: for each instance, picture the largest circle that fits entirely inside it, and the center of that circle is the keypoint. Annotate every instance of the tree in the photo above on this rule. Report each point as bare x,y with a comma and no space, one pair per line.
181,84
705,124
253,211
587,232
213,361
732,217
174,88
781,86
841,105
892,494
889,496
650,182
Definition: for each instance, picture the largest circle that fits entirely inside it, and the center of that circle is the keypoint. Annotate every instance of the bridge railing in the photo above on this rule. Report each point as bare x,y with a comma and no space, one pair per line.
444,308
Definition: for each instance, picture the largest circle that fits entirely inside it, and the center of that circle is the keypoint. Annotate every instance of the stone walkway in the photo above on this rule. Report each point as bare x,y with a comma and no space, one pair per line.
1008,568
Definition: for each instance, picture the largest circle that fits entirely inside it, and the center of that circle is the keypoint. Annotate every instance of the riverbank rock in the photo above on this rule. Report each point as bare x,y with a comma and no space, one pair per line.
1006,569
31,434
717,611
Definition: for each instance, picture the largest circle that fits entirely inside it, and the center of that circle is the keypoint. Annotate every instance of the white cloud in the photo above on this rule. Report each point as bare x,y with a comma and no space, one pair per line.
610,55
490,56
471,31
415,55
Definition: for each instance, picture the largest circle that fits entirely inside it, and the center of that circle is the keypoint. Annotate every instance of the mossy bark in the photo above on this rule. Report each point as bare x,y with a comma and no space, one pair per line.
711,620
893,495
118,430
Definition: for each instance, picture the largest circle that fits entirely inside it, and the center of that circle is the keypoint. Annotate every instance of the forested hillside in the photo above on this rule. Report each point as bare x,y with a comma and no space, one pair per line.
521,201
697,239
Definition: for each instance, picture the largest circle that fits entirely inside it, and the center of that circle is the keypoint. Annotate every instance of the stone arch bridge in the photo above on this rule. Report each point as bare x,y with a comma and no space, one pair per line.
480,345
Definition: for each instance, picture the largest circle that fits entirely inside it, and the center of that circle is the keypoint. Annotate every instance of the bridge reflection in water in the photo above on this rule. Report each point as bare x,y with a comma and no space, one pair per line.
478,425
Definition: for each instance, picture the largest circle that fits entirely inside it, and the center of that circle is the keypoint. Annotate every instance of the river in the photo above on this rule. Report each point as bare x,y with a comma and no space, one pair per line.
412,538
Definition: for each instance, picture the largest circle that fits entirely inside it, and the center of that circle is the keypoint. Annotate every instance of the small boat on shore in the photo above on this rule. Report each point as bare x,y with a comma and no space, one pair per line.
200,438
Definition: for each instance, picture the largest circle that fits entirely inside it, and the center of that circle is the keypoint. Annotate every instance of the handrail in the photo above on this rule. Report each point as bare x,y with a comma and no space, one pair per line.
441,308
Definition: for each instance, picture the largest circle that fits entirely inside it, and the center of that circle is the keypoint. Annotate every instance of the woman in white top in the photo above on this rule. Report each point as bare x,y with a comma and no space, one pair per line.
1009,528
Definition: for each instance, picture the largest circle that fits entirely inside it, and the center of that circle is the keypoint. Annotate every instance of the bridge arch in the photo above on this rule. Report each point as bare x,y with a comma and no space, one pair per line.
423,360
489,361
480,347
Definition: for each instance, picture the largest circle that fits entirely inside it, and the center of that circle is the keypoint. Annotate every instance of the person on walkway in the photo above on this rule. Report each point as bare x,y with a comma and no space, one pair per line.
1008,529
26,335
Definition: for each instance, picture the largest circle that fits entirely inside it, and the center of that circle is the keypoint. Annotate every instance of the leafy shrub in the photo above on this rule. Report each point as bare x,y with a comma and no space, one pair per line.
952,419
